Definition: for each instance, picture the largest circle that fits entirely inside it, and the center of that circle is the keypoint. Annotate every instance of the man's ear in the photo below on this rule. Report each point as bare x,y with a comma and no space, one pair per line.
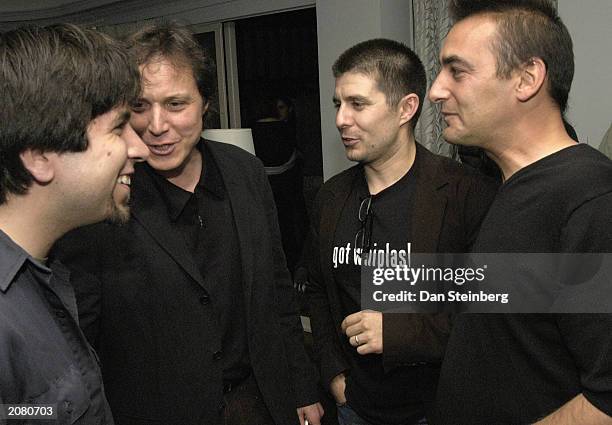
408,105
532,76
40,164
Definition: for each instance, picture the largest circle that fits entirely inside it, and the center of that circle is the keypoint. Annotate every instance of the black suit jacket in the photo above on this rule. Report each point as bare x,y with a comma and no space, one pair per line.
148,314
450,202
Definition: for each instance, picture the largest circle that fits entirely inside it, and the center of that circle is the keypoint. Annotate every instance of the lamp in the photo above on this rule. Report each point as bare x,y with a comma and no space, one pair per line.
240,137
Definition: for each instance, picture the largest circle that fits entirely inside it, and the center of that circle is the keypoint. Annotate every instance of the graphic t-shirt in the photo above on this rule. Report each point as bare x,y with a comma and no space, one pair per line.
380,397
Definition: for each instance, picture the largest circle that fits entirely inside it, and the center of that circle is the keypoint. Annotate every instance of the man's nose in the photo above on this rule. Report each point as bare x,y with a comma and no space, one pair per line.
158,124
136,149
343,117
438,92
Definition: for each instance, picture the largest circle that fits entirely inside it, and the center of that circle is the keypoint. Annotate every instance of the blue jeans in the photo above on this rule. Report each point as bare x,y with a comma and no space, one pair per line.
347,416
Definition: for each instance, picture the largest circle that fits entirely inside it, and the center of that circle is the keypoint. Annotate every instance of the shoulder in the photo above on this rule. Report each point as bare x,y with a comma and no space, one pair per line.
444,165
590,166
577,174
241,171
88,245
341,180
441,170
334,189
225,153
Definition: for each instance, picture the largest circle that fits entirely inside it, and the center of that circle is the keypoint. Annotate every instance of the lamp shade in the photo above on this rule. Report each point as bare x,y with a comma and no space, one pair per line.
240,137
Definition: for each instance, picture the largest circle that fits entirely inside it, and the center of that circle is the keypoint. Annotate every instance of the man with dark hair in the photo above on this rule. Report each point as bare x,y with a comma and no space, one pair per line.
383,368
66,156
507,68
192,308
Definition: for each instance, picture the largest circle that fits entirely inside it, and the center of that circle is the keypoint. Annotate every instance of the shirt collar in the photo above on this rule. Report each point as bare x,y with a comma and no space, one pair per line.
12,260
211,181
176,198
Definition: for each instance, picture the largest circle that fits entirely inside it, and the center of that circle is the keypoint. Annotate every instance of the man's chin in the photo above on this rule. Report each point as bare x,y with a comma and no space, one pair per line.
353,155
451,136
120,214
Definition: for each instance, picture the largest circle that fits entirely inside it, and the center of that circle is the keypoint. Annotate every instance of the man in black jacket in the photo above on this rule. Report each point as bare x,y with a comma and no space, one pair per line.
192,310
383,368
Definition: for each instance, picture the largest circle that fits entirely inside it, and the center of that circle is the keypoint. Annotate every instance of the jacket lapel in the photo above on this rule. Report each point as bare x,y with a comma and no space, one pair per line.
327,232
242,211
149,210
430,203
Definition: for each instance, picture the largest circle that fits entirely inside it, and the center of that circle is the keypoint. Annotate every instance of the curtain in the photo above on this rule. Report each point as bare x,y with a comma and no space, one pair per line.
431,24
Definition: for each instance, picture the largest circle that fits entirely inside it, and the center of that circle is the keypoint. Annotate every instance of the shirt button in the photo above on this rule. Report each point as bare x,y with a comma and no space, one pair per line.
205,299
217,355
60,313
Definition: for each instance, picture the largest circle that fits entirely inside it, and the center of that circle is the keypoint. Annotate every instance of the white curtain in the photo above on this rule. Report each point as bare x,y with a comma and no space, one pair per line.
431,24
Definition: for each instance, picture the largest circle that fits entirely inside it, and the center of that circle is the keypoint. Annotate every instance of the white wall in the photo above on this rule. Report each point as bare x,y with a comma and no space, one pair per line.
590,104
341,24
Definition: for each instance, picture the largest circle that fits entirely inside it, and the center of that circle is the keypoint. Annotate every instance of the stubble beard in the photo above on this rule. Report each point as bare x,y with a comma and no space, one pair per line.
120,213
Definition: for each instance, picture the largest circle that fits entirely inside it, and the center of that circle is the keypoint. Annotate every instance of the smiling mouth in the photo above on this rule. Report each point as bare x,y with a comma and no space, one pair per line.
125,179
448,115
349,141
164,149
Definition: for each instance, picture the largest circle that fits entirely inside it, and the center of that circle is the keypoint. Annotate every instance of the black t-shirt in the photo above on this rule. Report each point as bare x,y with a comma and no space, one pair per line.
379,396
516,369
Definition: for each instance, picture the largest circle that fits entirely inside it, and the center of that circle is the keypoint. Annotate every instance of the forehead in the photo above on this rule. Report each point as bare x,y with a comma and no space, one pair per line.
164,76
357,83
110,119
470,39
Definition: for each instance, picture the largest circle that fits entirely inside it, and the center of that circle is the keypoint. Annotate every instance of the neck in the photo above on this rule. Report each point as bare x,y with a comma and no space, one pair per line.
388,170
529,141
188,175
25,221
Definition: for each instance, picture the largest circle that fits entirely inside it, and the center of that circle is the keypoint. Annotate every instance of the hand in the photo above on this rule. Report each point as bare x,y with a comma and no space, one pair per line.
337,387
312,413
364,331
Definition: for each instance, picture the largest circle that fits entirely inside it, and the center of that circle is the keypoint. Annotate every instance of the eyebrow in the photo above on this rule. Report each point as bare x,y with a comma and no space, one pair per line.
122,118
456,60
352,99
179,96
184,96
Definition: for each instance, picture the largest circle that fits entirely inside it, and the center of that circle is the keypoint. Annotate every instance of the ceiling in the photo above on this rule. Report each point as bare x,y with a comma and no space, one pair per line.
18,12
60,6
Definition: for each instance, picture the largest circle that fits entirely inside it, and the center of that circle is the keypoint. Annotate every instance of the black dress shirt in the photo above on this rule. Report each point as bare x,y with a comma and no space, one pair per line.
204,219
44,356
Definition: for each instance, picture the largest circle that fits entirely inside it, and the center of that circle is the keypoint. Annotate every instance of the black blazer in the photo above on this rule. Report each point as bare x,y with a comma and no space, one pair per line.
148,317
450,202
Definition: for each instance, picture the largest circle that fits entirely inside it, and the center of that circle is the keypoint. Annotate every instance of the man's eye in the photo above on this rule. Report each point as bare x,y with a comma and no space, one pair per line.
176,105
119,129
358,105
456,72
336,105
137,107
